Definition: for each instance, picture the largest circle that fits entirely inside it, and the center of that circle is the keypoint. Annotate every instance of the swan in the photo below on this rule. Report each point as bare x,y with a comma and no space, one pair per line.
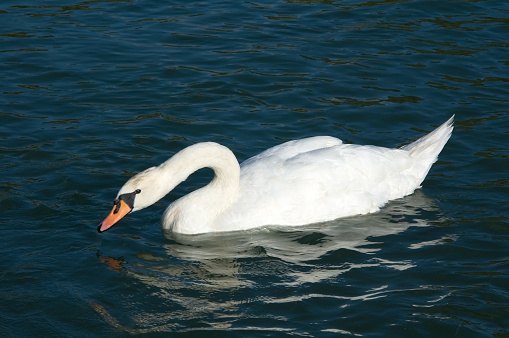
299,182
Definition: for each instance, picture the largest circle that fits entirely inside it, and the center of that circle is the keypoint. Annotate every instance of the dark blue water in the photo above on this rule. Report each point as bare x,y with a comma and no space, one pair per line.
95,91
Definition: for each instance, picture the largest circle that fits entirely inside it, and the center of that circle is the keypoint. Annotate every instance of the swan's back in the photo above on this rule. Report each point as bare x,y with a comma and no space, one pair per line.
291,149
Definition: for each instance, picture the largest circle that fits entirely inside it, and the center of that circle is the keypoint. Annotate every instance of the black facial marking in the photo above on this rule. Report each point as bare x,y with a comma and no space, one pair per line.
128,199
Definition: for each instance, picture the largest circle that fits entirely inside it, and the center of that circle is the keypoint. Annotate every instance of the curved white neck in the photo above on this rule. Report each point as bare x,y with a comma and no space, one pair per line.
200,208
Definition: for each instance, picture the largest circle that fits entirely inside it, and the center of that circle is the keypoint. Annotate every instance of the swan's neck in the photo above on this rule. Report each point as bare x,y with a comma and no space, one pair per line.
199,209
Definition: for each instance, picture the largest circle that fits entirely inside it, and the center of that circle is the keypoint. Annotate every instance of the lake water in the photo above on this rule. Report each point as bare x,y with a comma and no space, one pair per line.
95,91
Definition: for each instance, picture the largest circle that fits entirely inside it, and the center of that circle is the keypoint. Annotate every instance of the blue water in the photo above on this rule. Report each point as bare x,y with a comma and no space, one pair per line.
94,91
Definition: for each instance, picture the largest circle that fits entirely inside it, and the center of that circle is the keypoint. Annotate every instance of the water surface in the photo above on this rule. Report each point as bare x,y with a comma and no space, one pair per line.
94,91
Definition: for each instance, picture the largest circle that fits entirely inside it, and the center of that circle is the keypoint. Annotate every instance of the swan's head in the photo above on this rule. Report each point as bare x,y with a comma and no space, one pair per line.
137,193
122,205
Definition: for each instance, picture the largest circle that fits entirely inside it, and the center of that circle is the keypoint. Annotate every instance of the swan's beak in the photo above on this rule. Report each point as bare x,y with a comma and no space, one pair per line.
115,215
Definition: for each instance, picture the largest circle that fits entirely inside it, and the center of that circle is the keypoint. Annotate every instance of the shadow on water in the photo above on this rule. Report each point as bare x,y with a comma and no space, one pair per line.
204,281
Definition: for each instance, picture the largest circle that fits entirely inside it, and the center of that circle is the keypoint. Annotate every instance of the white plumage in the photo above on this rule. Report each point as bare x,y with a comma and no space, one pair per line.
298,182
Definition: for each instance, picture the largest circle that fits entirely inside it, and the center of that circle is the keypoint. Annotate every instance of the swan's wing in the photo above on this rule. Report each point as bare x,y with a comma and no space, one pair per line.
323,184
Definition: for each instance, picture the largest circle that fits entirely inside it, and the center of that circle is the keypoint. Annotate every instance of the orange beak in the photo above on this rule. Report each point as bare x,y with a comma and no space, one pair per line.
115,215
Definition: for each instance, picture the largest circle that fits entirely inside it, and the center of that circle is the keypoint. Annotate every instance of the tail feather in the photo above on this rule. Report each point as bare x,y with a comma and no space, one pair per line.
431,144
426,149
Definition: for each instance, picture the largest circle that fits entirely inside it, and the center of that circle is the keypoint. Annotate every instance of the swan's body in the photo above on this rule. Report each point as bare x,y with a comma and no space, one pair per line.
298,182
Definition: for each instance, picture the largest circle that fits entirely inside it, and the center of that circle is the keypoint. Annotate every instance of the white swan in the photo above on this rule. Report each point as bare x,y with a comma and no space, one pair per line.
298,182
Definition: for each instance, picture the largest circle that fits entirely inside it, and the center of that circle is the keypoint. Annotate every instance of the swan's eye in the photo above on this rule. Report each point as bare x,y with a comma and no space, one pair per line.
137,191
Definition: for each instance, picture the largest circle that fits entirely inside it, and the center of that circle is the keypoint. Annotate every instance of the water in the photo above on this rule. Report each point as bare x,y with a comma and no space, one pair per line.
95,91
